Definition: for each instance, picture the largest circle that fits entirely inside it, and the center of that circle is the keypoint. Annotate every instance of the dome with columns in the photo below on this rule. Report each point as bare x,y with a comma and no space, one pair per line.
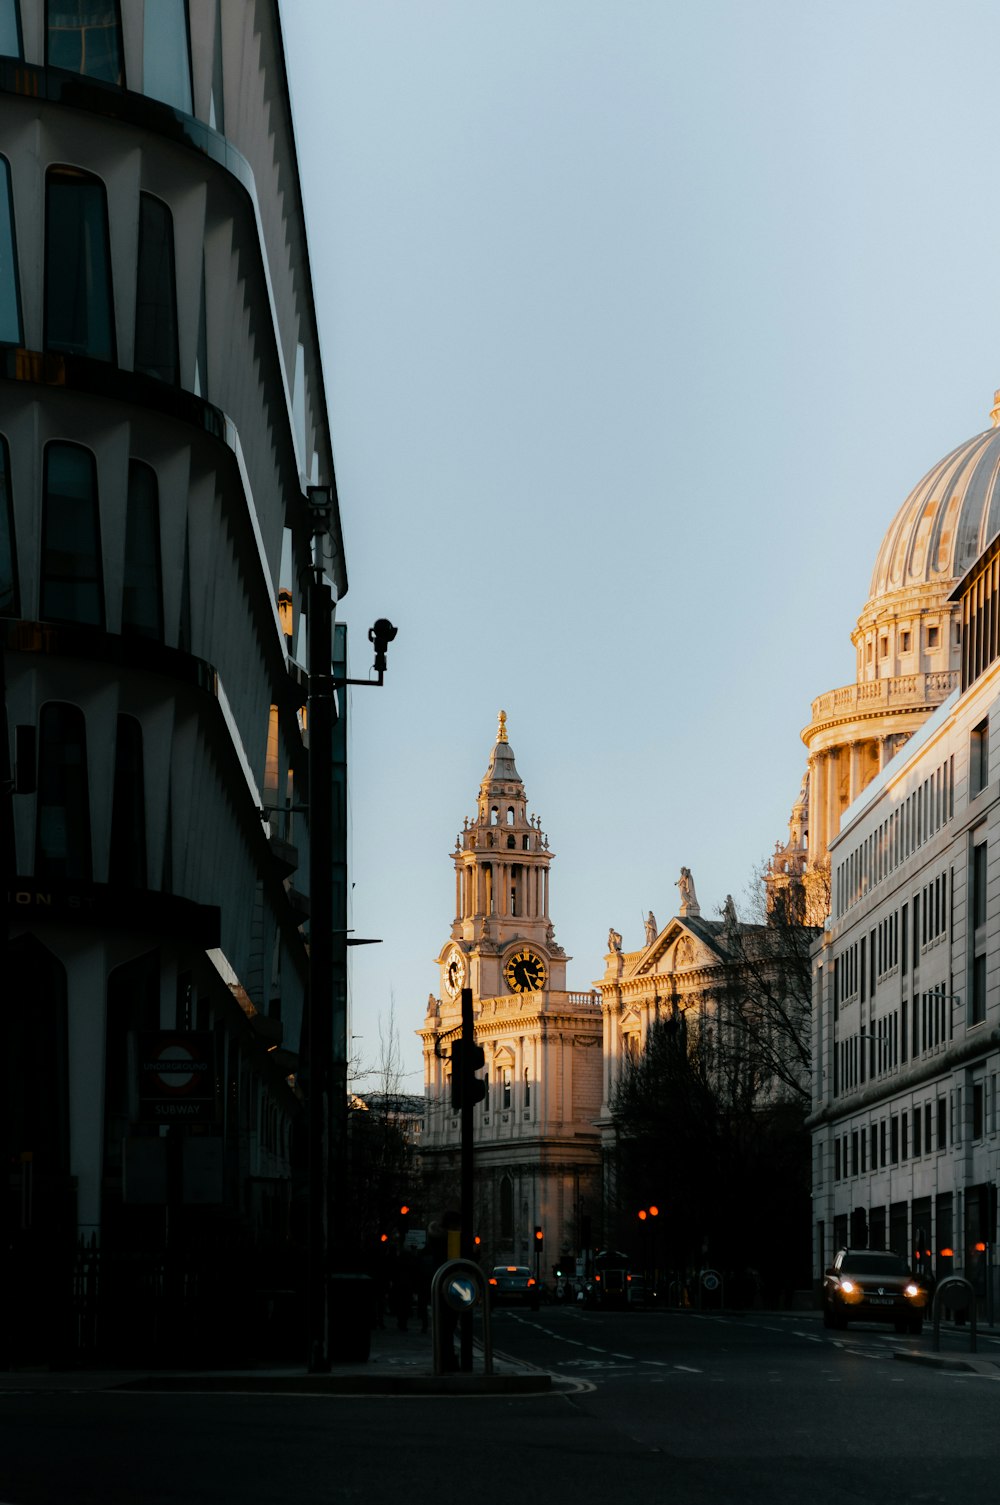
946,521
906,643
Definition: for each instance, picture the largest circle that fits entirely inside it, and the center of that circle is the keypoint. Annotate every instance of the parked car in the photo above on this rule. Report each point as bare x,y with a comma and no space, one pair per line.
514,1283
873,1285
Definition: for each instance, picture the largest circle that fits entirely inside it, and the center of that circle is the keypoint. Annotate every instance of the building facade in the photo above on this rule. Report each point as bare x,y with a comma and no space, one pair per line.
906,645
162,413
906,1050
537,1152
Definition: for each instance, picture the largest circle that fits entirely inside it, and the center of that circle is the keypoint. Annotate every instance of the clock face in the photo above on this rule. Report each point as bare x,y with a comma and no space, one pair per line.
525,972
454,973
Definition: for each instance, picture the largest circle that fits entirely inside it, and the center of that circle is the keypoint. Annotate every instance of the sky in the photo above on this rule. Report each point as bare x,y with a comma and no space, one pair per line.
639,321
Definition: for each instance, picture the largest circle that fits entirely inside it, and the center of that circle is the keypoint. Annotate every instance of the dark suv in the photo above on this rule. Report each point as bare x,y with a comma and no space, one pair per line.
873,1285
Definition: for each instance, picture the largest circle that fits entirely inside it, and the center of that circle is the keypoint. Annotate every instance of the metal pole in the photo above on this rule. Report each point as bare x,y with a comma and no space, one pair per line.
466,1178
321,924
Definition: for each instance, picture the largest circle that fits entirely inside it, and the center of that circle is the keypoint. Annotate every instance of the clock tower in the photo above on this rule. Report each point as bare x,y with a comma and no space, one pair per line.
502,940
537,1149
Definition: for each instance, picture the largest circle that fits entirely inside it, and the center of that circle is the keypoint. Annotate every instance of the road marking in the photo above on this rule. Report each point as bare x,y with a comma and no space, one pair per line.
687,1370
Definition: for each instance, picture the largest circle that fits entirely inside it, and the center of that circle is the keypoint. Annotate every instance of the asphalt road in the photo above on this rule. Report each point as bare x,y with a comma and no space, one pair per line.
695,1410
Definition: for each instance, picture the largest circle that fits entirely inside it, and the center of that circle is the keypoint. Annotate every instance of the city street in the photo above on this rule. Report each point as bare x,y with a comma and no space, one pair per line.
696,1408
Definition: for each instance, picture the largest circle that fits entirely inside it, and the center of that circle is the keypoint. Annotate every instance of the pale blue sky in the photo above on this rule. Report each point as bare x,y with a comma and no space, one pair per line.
639,321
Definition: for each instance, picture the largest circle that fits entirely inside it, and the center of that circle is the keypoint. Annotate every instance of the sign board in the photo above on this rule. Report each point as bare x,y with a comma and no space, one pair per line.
177,1076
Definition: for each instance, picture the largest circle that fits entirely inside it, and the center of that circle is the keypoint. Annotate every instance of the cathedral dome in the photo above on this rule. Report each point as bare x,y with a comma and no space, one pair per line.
945,523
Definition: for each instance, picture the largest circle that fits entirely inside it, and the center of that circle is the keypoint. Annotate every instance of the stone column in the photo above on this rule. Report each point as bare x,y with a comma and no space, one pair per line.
832,796
814,808
855,772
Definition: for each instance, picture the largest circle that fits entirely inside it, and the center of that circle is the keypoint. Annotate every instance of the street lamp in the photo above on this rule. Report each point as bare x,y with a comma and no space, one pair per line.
328,939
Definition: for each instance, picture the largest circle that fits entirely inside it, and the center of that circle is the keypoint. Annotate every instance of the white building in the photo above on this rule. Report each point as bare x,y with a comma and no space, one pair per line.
907,985
162,412
537,1152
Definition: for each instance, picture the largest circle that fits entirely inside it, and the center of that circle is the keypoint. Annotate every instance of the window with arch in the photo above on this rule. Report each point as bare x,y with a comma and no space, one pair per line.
127,852
510,815
166,53
155,351
494,815
62,804
79,306
142,591
72,587
9,595
10,292
85,36
507,1209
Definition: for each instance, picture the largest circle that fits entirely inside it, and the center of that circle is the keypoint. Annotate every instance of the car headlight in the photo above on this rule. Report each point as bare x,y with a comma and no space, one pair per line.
912,1289
847,1286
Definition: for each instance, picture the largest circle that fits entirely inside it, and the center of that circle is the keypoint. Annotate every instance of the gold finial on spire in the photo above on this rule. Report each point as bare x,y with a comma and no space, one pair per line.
502,728
995,410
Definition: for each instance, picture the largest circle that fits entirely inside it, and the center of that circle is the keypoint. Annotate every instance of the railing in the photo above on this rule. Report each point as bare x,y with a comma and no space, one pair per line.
900,692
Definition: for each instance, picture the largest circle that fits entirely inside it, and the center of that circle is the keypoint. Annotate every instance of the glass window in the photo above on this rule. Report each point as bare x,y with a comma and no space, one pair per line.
142,595
166,53
155,293
10,29
72,582
62,832
216,107
85,36
127,855
9,597
79,308
10,299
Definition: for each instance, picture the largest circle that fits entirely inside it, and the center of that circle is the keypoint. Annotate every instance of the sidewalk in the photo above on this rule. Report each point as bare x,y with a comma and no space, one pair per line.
400,1363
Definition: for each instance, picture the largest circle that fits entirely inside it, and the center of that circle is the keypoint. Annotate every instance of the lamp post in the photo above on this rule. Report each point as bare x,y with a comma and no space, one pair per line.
328,938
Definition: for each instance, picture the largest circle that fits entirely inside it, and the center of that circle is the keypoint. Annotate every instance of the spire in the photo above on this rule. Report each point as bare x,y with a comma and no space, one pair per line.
502,768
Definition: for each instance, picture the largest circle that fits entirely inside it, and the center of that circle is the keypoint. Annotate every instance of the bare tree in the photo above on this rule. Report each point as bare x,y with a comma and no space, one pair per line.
764,1000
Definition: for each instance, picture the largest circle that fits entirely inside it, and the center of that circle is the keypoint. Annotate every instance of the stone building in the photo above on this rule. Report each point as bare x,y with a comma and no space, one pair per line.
537,1145
906,1051
906,645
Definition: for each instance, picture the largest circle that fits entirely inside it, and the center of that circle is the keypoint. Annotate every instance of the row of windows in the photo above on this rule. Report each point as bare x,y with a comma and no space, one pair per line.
503,1088
912,1134
79,297
72,577
85,36
932,640
867,962
920,816
893,1038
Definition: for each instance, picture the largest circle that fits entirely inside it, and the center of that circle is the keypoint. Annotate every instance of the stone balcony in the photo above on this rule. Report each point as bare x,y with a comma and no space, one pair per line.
900,692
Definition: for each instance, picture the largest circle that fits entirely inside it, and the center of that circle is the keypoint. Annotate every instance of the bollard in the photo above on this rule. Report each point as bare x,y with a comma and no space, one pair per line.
457,1289
956,1294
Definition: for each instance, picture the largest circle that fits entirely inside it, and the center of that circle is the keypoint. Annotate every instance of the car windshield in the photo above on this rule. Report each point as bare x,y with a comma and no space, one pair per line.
874,1264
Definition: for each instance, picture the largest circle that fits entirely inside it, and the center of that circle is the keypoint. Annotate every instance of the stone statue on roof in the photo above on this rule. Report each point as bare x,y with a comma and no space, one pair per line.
651,930
689,899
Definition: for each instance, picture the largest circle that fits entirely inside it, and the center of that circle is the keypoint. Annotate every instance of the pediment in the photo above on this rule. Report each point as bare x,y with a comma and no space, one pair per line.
677,948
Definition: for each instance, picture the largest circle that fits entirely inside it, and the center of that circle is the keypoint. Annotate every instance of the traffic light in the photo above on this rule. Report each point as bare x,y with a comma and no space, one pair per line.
466,1060
539,1240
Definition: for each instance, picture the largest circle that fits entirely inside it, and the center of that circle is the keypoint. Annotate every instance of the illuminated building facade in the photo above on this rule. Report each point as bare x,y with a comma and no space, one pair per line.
536,1140
906,1050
